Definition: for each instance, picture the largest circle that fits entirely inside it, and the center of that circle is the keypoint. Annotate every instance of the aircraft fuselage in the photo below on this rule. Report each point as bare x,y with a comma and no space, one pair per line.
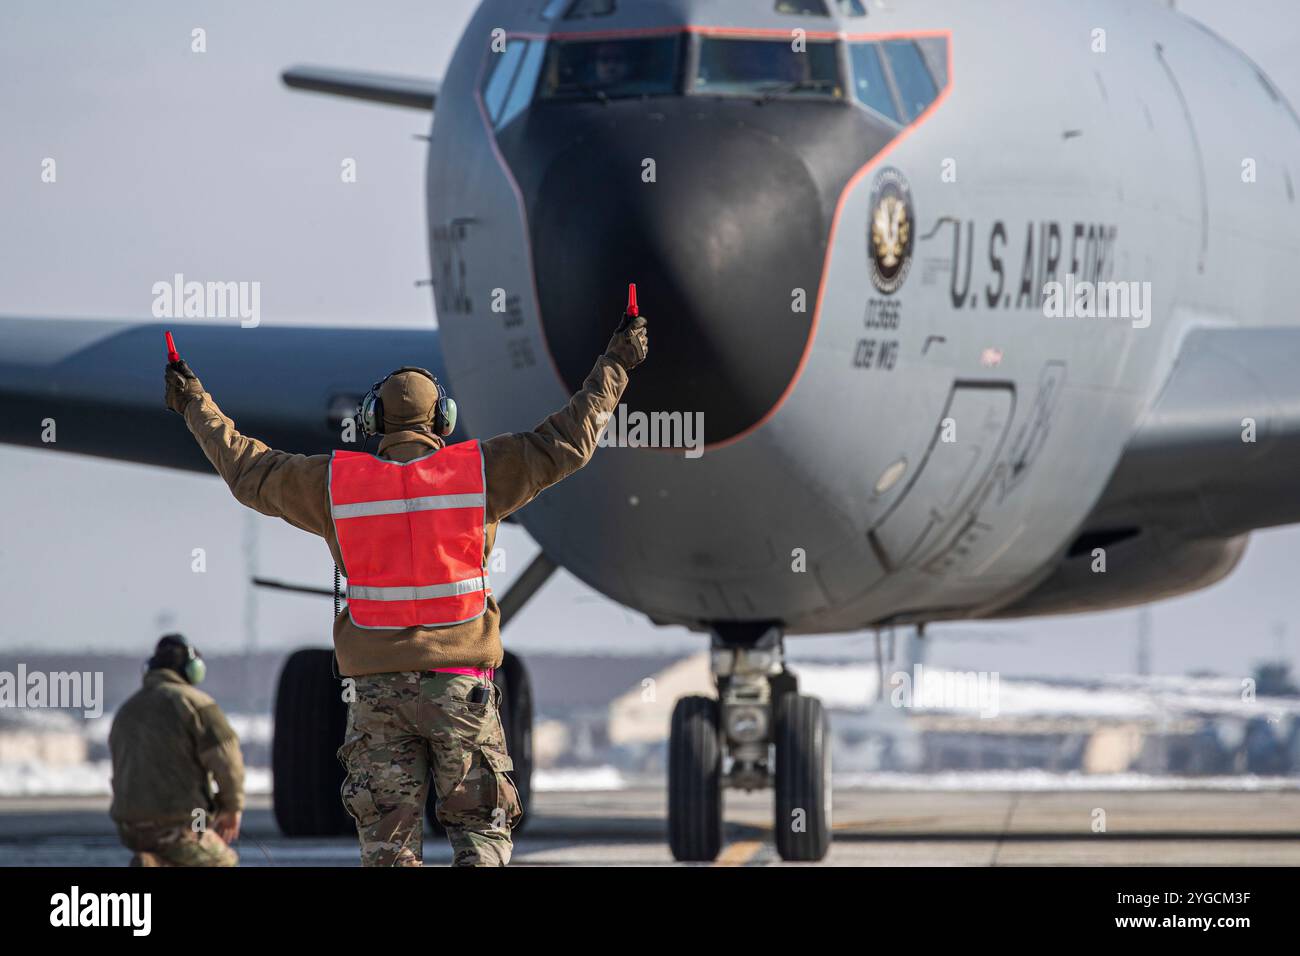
851,286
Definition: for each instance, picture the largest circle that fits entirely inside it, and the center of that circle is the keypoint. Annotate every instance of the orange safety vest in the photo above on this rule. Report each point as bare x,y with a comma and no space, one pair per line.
412,536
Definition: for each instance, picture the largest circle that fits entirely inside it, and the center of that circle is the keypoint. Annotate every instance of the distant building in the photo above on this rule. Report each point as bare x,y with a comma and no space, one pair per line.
573,694
46,738
1153,725
643,715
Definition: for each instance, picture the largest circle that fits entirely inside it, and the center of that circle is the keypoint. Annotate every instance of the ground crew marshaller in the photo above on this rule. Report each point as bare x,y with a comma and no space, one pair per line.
170,743
412,529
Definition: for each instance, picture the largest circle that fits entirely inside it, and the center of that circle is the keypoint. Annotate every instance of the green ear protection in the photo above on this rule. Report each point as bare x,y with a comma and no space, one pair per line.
177,653
195,668
370,414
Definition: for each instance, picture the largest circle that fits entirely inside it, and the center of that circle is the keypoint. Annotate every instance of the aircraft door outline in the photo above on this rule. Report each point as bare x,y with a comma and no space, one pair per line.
950,475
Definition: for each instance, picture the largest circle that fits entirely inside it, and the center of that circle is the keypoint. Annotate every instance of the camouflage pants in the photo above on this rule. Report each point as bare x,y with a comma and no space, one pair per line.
174,845
401,728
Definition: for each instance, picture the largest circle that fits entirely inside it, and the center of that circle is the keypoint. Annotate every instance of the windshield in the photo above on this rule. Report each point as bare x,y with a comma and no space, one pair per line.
768,67
609,69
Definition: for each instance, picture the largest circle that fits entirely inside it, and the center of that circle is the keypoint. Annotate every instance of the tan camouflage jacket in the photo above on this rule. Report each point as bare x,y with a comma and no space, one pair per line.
169,743
517,466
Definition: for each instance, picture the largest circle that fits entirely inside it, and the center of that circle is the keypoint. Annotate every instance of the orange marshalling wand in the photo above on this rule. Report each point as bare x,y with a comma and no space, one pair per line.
632,310
172,354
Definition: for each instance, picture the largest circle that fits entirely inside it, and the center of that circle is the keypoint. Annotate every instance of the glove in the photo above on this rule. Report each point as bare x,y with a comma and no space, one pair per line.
630,342
183,386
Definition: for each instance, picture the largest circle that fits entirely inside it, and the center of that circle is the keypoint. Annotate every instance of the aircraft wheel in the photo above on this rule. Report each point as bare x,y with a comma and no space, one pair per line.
517,720
310,718
803,778
695,780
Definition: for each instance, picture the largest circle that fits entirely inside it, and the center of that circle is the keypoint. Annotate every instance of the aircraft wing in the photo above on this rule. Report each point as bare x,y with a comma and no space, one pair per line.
373,87
1188,467
101,383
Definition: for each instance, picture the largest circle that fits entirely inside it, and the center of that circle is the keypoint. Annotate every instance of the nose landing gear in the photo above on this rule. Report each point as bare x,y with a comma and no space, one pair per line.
760,732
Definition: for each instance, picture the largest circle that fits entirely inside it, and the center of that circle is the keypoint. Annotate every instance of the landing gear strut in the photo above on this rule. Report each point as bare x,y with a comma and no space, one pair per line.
760,732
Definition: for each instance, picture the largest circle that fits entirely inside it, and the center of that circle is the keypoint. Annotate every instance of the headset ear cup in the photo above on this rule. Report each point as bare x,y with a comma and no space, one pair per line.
447,411
195,670
372,414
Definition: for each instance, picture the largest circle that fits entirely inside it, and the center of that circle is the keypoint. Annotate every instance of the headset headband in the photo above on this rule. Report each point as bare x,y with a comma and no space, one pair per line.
191,666
370,414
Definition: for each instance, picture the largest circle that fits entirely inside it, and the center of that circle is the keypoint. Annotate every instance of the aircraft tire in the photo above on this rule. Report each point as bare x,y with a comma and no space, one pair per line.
310,717
517,719
803,786
695,780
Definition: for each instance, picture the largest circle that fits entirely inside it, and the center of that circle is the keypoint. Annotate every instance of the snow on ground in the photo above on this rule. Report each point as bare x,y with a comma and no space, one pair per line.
88,779
251,728
93,779
579,778
853,687
1043,780
42,780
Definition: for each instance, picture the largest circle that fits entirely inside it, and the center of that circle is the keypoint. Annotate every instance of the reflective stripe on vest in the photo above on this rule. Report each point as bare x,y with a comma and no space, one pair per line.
412,536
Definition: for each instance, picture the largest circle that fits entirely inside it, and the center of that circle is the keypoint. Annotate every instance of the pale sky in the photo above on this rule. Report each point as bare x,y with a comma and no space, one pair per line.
170,161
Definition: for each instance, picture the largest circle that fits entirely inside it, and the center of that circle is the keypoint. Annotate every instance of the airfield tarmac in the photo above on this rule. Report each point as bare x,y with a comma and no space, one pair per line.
871,828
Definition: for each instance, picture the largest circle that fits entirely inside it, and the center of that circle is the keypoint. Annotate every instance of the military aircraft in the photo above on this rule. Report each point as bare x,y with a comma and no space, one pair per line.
988,308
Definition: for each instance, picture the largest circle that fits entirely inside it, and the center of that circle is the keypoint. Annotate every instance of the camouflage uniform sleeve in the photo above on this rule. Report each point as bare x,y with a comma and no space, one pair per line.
520,466
275,483
220,755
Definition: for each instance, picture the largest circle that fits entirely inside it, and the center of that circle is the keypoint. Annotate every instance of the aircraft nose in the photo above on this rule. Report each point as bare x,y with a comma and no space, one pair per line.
723,227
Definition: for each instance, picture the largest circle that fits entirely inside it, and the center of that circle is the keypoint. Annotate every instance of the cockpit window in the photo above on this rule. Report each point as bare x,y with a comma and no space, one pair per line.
589,8
851,8
746,67
508,87
504,66
815,8
869,84
916,89
610,69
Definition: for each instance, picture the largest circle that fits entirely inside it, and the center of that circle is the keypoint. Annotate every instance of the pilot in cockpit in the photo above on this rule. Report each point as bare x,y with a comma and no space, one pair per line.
610,65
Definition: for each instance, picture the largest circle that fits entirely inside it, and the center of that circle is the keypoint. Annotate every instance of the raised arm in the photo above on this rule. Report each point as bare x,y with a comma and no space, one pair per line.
275,483
522,465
